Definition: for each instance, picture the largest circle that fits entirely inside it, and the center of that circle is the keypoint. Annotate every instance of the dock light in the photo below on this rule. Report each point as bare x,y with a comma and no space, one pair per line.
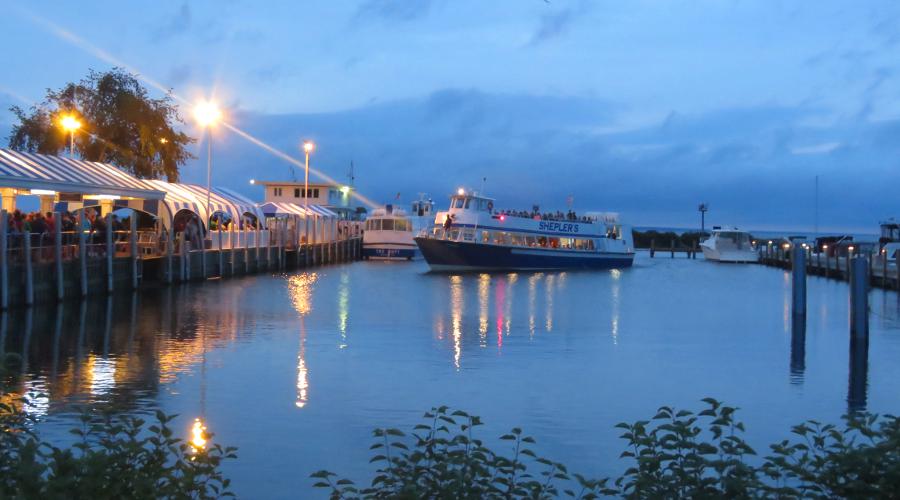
207,113
345,190
252,181
787,245
70,124
850,248
770,242
41,192
460,191
163,140
308,146
824,247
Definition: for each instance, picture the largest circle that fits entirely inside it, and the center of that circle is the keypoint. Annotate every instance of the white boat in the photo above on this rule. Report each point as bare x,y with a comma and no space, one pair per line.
729,245
388,235
422,213
472,236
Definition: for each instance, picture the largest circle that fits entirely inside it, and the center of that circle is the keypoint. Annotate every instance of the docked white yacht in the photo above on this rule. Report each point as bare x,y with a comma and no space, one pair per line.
388,235
472,236
729,245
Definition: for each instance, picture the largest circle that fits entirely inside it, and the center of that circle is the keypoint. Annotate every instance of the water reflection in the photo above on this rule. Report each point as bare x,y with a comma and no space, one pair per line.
614,317
857,386
301,288
198,435
798,348
532,301
484,284
343,307
456,312
548,306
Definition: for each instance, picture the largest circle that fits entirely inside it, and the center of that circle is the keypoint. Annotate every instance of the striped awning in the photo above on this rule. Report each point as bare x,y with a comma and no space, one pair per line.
276,208
54,173
177,198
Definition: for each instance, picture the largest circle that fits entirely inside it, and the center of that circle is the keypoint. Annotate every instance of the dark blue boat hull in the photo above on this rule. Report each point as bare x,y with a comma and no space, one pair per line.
443,255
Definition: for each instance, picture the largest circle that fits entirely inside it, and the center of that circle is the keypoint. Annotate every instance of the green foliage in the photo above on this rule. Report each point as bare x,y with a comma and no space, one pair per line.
120,124
113,457
676,454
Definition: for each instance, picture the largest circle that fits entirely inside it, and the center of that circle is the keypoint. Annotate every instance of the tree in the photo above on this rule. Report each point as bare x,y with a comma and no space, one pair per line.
120,124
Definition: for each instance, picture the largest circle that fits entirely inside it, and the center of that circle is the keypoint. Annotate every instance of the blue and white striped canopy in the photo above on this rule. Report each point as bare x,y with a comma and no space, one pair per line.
276,208
36,171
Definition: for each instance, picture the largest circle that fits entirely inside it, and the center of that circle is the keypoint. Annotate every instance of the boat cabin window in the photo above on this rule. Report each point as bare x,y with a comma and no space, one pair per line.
734,240
456,202
387,224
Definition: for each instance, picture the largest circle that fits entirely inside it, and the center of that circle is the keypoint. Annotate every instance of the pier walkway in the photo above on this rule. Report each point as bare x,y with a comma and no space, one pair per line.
46,268
883,272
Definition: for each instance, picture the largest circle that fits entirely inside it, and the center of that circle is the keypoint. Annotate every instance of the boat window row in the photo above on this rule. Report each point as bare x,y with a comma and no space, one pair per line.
388,225
509,238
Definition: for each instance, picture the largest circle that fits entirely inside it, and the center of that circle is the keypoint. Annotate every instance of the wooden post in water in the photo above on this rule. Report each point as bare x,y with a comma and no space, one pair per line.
258,232
170,249
798,281
269,246
4,259
82,254
221,257
110,253
134,251
182,261
246,235
672,247
859,298
231,246
203,232
57,256
29,272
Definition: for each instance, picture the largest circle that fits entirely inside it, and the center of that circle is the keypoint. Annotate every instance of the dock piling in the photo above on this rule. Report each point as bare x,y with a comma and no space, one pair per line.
82,255
110,252
4,259
134,251
859,298
29,272
798,281
57,256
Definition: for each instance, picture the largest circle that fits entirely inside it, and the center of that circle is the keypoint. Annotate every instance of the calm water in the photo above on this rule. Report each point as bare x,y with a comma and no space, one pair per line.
297,369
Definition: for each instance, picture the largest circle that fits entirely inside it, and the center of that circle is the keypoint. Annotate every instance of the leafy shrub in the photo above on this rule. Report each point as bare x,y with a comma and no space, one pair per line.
114,457
676,454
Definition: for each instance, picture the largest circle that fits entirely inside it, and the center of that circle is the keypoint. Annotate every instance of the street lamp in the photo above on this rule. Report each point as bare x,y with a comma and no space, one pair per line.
71,124
308,148
207,114
703,208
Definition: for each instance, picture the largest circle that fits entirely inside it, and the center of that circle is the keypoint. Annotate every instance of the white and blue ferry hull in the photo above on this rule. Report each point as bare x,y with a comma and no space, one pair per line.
460,256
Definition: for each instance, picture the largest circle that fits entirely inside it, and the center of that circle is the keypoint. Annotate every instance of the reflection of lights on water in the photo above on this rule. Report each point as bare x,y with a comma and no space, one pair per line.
343,303
512,279
787,303
103,375
198,435
548,311
499,304
484,283
36,401
300,287
615,305
532,301
439,326
302,371
456,304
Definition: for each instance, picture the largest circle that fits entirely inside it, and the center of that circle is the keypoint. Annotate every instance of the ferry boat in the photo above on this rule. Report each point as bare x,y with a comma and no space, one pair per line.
388,235
422,213
729,245
472,236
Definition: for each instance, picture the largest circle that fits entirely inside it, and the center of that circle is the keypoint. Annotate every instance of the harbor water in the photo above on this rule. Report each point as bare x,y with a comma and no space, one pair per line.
297,369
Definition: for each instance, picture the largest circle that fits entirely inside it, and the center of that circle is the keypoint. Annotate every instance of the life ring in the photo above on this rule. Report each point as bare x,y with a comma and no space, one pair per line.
491,206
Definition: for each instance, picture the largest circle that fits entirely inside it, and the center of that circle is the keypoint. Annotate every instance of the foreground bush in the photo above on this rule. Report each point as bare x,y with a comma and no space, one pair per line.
121,457
677,454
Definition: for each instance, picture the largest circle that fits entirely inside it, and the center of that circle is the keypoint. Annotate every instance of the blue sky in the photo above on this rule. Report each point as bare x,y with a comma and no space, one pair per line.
645,107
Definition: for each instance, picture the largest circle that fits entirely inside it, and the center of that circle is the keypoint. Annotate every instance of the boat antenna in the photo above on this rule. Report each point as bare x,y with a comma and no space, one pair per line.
483,180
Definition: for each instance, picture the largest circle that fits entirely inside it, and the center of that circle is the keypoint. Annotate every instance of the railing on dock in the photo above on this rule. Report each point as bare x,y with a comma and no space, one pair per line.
56,264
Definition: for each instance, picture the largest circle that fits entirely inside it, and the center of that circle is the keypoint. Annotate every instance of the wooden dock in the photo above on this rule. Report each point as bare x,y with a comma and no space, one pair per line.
882,272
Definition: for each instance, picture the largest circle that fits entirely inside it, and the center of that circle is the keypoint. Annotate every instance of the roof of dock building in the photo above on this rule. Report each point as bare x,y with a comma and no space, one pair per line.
22,170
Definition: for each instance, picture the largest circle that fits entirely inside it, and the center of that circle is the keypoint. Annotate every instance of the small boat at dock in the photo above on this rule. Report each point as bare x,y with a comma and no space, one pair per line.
729,245
472,236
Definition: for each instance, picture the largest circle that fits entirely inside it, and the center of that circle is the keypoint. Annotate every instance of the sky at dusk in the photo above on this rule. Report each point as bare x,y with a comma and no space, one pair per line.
643,107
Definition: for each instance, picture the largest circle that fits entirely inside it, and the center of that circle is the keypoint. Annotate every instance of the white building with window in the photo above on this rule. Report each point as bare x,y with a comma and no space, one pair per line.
335,197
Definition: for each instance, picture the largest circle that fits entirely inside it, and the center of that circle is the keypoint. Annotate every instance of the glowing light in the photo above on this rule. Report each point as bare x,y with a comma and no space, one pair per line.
460,191
198,435
308,147
207,113
43,192
103,197
770,242
70,123
163,140
345,190
824,247
252,181
850,248
502,217
787,245
457,305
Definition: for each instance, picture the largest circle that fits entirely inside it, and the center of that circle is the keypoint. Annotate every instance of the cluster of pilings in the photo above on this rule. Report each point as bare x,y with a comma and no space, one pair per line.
858,270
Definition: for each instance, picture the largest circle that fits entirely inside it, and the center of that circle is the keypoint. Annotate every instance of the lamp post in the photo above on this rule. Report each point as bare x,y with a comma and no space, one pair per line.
207,114
308,147
71,124
703,208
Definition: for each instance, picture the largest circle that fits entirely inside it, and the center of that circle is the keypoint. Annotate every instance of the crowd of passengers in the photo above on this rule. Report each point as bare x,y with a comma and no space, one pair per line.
556,216
41,226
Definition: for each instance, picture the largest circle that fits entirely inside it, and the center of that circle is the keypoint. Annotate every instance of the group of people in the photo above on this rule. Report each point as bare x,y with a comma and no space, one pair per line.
41,227
534,214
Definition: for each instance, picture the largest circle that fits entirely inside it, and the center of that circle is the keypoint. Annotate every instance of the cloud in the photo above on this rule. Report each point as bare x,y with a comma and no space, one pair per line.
552,26
816,149
394,10
175,24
